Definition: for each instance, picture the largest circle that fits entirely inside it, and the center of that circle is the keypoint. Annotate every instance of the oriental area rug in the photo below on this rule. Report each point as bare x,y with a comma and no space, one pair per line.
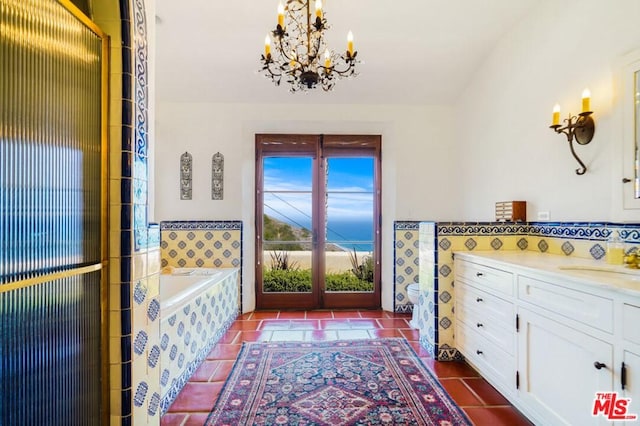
355,382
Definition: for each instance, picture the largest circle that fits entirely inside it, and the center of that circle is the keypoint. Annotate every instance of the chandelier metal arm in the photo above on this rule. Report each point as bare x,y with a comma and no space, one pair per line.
350,66
275,76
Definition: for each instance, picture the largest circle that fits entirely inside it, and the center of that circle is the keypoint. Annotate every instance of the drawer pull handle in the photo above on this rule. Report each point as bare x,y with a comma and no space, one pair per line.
599,365
479,325
479,274
479,299
479,352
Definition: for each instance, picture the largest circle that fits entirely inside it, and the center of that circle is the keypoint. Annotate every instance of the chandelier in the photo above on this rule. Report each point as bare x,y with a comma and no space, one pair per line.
300,55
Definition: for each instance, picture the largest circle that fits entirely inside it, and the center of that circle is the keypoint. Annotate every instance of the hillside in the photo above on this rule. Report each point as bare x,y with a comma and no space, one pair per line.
276,230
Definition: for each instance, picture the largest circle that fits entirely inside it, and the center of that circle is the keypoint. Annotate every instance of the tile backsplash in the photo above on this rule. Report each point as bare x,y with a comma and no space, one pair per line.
201,244
405,263
439,240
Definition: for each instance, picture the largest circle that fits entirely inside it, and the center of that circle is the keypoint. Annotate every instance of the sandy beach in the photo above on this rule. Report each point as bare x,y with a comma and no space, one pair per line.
336,261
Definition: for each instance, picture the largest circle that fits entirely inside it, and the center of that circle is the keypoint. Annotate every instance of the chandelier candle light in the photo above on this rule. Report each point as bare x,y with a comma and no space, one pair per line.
299,53
579,128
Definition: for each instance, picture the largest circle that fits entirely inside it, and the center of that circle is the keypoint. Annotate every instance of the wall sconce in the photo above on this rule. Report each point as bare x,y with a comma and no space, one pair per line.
579,128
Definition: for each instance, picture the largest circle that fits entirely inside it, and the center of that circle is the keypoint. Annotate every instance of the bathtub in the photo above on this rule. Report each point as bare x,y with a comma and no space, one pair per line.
197,306
183,284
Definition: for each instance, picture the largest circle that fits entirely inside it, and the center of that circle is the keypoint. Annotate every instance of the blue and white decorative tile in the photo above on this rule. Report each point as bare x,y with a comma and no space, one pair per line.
470,244
445,297
218,225
523,244
630,233
597,251
543,246
202,244
141,394
567,248
183,348
448,353
406,225
444,244
445,270
575,230
406,241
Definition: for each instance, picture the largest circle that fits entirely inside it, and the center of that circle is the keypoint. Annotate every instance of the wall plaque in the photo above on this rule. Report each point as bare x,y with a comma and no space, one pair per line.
217,176
186,175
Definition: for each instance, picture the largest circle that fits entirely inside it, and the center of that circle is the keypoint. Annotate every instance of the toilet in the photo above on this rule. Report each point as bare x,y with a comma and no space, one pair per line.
413,291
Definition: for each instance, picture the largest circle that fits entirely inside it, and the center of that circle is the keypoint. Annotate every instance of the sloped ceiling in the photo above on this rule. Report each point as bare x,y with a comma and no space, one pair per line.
414,51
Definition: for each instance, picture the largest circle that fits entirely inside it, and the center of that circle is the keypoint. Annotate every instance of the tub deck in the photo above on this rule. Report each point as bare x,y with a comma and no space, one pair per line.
183,284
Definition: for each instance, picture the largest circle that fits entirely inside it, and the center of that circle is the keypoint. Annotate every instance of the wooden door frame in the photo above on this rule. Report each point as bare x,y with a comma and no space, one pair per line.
346,146
317,145
305,145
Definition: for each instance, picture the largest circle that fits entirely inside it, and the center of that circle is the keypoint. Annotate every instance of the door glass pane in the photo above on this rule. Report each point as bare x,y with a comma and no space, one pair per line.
287,237
349,264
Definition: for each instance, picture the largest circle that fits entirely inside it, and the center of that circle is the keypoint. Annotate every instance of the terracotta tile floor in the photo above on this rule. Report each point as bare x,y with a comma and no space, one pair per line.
482,403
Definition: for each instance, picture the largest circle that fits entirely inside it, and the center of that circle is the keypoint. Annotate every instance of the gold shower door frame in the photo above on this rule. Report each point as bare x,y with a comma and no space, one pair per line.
102,265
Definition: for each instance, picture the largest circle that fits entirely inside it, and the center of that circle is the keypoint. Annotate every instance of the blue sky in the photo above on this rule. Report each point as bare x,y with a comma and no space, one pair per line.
345,175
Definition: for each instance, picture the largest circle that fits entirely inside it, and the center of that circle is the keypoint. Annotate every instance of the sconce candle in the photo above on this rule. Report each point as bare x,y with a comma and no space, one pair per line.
586,98
556,115
579,128
350,43
319,8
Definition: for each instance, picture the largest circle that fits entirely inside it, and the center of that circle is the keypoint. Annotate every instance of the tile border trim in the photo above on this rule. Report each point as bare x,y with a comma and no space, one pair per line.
203,225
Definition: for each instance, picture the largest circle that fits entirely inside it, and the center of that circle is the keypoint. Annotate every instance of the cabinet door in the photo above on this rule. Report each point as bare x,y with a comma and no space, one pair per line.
558,378
631,390
631,354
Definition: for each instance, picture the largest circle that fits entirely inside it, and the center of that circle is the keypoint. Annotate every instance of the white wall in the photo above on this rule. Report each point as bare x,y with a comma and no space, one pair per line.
150,6
416,163
505,148
440,163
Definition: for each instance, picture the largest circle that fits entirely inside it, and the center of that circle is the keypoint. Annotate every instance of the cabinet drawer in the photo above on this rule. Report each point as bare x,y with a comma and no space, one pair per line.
485,277
498,333
630,323
493,363
469,297
592,310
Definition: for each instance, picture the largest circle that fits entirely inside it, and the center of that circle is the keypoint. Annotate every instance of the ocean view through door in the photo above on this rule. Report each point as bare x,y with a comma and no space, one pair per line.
317,221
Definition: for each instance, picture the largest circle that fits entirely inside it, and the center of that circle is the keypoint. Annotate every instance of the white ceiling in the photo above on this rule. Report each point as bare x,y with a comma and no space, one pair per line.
414,51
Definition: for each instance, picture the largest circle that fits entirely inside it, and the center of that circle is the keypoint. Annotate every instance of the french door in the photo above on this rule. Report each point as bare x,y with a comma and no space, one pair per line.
317,221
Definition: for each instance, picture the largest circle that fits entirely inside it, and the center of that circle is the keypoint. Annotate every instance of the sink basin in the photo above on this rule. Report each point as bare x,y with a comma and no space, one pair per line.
602,271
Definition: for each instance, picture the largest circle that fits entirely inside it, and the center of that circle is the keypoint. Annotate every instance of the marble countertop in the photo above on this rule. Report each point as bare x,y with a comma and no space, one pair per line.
594,273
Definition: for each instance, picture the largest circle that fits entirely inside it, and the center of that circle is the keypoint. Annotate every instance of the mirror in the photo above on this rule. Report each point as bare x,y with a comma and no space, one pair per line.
628,87
636,133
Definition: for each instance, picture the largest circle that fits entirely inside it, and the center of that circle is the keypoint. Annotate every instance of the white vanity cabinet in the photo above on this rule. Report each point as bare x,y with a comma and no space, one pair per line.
549,341
630,353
